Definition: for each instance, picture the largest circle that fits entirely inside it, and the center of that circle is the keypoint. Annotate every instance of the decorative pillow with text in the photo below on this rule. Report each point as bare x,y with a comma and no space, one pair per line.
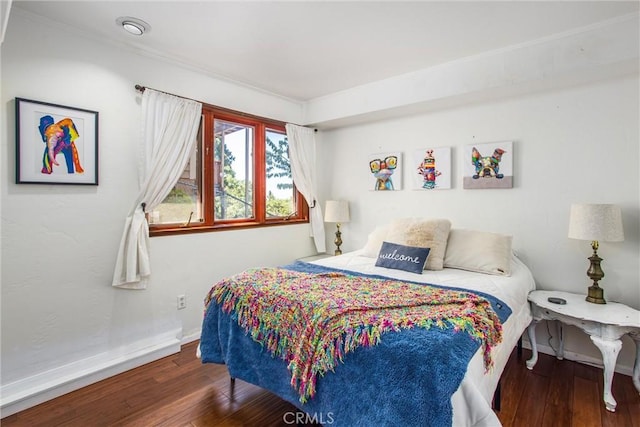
401,257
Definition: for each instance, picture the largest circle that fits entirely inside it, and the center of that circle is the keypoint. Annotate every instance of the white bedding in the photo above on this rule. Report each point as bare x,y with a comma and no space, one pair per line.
472,402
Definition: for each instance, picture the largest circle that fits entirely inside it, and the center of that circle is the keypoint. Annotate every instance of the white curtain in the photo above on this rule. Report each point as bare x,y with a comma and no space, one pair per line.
302,154
169,131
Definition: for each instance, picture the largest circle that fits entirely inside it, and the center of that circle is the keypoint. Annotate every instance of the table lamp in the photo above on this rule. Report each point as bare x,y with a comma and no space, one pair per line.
337,211
597,223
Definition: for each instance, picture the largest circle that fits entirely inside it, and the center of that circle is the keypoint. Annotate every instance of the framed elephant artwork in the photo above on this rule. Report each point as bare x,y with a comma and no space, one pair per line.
488,165
385,171
55,144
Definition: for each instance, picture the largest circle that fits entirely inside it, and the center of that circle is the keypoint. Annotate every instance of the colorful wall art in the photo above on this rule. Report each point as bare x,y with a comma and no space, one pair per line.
55,144
488,165
385,170
431,168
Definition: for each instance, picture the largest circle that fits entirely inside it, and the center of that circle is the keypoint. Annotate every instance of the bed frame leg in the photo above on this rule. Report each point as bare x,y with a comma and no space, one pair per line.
519,348
232,387
496,397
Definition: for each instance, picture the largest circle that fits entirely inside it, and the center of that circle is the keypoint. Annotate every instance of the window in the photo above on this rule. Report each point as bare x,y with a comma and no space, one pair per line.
238,176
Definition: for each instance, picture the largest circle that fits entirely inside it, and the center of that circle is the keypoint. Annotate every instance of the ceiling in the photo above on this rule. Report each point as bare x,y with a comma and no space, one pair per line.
307,49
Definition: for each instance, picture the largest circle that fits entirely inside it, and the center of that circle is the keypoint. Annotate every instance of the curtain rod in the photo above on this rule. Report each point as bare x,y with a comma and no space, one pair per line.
141,89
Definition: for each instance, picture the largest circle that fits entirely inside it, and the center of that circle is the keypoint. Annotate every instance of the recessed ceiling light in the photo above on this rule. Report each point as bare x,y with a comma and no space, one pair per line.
133,25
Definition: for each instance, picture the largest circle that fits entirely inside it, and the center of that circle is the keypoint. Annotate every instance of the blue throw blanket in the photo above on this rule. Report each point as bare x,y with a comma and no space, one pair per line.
406,380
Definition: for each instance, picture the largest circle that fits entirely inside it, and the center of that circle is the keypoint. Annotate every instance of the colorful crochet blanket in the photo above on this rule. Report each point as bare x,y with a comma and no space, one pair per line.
312,320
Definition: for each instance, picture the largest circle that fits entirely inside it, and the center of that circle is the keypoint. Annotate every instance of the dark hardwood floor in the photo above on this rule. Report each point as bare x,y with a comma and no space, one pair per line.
179,391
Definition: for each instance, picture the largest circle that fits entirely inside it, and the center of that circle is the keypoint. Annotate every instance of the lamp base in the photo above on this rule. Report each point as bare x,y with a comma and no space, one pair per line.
595,273
595,295
338,241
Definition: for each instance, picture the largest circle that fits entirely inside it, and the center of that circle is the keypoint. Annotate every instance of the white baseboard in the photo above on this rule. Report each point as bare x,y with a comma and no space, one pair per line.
193,336
36,389
580,358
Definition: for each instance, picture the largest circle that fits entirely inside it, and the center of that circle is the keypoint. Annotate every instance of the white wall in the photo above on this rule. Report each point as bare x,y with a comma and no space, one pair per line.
578,144
59,242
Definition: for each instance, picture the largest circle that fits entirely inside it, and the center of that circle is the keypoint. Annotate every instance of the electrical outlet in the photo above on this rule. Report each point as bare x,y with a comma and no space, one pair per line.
182,302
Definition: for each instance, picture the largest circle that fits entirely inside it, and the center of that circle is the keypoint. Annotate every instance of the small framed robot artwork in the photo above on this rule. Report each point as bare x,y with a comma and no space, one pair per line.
385,170
432,168
488,165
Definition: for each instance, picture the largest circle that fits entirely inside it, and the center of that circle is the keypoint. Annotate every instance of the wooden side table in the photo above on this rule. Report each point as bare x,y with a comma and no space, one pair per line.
605,324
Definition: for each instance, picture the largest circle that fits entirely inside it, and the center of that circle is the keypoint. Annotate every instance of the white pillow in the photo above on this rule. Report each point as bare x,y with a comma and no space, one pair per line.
374,241
422,233
479,251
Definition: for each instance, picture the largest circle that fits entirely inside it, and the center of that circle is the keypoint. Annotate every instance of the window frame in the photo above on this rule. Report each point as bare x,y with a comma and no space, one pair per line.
206,173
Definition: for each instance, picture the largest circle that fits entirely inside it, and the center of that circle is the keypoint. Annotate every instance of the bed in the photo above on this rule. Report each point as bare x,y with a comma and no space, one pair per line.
410,375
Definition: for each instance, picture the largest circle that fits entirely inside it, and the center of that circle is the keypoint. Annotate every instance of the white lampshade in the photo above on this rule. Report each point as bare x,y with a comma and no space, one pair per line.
336,211
596,222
